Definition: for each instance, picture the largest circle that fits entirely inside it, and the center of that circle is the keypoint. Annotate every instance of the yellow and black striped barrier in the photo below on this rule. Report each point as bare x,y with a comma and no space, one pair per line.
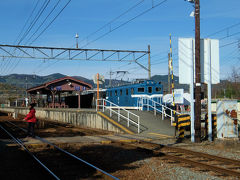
182,121
214,125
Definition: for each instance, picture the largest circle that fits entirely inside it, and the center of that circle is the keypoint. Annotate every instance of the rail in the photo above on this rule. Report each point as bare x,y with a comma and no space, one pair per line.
66,152
22,145
157,107
113,108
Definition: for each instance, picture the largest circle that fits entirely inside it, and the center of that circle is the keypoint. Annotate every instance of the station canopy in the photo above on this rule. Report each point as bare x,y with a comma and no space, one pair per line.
65,84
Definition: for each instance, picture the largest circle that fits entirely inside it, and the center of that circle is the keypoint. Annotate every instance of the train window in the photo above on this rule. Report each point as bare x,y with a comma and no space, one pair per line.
120,92
126,91
141,89
110,93
115,92
132,90
150,89
158,89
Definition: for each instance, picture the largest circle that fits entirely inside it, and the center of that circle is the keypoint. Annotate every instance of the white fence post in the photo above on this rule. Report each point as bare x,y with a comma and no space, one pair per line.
162,113
103,104
110,109
155,111
118,114
138,126
96,104
147,104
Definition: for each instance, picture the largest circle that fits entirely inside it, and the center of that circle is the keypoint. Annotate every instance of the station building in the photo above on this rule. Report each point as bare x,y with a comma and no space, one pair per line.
66,92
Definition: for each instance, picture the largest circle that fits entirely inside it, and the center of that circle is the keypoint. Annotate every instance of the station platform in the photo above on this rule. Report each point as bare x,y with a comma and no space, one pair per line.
102,139
149,124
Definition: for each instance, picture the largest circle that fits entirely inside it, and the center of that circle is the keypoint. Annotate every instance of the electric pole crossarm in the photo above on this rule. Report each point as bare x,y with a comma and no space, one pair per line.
76,55
59,54
139,57
6,51
20,49
42,52
125,56
110,56
66,59
93,55
142,66
35,52
72,49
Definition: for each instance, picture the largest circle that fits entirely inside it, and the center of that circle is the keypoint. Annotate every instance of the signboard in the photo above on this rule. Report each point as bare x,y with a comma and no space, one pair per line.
209,57
101,79
178,96
227,123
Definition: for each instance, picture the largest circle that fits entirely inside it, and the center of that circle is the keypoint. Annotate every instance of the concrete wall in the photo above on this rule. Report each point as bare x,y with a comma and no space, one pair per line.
84,118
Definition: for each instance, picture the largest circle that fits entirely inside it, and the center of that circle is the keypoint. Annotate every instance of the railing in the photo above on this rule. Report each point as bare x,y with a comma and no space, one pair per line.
113,108
157,107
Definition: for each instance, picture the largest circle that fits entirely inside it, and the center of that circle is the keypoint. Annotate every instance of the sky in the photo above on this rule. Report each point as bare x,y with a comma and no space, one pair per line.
141,23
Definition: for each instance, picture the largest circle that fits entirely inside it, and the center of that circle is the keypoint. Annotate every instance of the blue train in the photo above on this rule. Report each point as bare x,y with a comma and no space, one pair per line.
129,95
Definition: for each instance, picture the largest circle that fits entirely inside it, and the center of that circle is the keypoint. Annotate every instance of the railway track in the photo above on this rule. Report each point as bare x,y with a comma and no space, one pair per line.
200,161
59,163
220,165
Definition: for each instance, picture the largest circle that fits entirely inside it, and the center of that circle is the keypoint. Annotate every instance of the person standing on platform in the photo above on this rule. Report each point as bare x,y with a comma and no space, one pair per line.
31,119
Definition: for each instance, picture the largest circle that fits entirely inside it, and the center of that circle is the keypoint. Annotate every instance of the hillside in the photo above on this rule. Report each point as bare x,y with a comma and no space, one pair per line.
24,81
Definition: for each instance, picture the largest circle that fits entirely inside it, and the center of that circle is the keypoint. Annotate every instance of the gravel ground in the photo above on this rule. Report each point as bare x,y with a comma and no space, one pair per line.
156,168
132,164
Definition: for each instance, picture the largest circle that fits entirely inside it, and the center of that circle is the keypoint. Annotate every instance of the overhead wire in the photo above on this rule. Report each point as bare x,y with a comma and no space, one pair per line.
38,28
111,30
224,29
28,19
46,28
109,23
144,12
51,21
39,13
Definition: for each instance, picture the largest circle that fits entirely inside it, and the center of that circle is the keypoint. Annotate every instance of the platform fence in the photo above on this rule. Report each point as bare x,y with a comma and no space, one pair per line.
130,117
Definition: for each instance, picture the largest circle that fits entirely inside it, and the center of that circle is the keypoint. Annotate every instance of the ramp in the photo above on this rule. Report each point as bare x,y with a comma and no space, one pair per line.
149,123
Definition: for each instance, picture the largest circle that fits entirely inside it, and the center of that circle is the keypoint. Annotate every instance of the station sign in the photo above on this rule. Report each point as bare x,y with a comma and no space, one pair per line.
101,79
209,60
178,96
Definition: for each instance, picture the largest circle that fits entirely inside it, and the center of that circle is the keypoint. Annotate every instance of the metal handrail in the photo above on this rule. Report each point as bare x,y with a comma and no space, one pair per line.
112,106
154,107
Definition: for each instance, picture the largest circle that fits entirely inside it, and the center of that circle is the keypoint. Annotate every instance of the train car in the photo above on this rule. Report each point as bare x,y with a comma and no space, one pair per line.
128,96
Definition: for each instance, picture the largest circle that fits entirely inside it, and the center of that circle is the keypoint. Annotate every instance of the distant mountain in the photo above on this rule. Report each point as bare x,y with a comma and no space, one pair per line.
24,81
27,81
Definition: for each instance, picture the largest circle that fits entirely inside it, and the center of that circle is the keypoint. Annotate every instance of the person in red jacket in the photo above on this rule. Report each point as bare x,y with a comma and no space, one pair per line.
31,119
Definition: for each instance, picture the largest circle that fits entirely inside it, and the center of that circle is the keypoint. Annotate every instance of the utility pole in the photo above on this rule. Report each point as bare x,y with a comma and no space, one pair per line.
76,40
169,85
197,106
26,96
110,81
149,63
98,91
171,66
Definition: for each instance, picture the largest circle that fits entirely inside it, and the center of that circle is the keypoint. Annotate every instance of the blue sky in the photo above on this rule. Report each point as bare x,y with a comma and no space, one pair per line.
152,28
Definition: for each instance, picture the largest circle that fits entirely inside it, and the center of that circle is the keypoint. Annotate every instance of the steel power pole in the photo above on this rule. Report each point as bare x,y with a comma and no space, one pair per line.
149,63
169,69
197,106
